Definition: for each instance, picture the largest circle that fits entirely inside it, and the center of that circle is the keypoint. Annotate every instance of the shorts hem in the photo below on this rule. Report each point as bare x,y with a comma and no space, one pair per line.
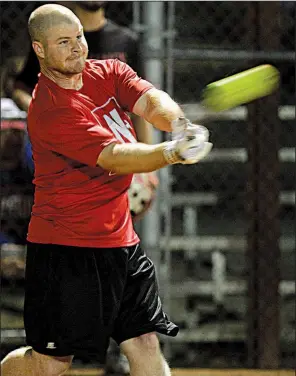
82,244
50,352
98,355
145,330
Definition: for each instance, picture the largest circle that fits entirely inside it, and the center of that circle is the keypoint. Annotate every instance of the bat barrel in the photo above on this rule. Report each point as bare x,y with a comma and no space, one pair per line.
241,88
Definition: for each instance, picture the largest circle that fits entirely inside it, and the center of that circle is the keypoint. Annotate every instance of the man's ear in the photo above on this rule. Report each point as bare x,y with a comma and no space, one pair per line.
38,48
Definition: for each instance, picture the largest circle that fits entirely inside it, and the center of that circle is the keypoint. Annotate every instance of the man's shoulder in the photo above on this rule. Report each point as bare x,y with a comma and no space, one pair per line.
105,69
46,103
50,115
43,100
100,67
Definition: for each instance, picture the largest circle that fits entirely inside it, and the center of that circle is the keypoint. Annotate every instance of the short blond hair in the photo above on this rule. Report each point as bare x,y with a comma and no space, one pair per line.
47,16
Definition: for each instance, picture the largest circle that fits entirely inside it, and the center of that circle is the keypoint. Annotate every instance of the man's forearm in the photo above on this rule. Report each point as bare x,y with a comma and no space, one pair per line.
158,108
143,129
132,158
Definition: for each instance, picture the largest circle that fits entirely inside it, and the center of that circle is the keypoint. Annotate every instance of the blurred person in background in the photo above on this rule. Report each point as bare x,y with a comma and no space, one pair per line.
16,182
105,40
15,200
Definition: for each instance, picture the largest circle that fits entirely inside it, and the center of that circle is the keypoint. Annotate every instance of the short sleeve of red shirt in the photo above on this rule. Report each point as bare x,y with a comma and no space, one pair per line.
128,85
67,131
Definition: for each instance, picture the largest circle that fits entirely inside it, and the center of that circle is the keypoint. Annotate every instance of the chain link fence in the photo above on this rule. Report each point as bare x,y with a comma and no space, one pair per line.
232,210
232,233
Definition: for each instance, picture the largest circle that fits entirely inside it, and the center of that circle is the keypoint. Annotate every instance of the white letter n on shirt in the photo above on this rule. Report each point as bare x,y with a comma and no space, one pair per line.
119,127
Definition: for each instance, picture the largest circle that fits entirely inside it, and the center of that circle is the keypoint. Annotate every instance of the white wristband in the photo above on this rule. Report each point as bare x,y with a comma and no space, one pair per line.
170,154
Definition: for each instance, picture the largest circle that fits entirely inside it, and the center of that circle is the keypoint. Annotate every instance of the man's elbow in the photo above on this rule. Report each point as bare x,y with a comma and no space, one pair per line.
158,108
107,159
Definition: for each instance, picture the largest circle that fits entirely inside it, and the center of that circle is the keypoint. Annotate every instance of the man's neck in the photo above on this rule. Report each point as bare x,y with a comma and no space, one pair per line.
73,82
91,21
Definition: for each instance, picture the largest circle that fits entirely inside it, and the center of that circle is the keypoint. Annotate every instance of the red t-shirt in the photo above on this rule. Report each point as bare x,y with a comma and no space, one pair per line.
76,202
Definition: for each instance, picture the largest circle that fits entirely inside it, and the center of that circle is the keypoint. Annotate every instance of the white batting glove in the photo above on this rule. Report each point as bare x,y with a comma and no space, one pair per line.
178,127
190,143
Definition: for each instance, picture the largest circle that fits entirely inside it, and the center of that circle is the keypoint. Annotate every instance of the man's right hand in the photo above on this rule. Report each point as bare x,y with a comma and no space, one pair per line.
190,143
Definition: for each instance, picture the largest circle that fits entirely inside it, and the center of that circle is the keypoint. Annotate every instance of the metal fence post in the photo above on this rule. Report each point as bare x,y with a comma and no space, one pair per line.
263,209
153,46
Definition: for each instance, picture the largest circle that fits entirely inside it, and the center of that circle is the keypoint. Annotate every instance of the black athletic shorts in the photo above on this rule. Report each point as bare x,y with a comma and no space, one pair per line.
77,298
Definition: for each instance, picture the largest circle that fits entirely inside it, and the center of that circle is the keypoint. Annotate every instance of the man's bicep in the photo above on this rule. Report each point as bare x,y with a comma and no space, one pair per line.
105,158
144,103
128,85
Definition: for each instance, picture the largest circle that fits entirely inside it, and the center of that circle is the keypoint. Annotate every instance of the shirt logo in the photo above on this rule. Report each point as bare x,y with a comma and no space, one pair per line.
119,127
51,346
116,119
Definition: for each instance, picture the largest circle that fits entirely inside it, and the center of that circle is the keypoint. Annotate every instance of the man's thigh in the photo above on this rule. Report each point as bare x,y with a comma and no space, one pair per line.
72,298
141,310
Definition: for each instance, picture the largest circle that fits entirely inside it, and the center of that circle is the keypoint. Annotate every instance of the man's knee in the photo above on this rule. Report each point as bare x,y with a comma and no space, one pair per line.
148,342
26,361
145,344
20,353
49,365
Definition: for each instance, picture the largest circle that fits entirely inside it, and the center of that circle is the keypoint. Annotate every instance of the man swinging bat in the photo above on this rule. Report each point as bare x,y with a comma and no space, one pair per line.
87,278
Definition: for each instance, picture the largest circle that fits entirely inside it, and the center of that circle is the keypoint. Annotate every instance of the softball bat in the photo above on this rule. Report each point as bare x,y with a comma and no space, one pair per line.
241,88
